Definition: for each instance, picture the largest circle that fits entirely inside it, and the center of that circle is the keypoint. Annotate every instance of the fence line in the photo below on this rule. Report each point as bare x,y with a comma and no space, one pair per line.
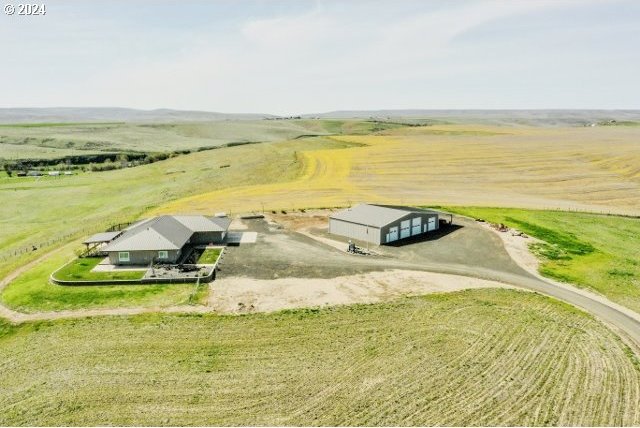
35,246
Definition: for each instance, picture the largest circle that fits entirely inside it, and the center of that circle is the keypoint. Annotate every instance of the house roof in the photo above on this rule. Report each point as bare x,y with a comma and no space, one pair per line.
165,232
223,222
377,215
200,223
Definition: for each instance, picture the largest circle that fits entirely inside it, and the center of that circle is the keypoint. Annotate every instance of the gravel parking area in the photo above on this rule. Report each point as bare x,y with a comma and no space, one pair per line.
465,243
282,253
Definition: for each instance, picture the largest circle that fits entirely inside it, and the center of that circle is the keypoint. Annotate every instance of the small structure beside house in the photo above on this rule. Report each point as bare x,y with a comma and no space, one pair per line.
101,238
382,224
163,239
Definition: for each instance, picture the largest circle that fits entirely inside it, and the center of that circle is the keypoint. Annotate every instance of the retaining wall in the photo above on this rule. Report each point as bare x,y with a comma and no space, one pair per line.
208,278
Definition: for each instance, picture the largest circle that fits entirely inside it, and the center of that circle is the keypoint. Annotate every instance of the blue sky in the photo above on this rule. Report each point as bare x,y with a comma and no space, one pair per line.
300,56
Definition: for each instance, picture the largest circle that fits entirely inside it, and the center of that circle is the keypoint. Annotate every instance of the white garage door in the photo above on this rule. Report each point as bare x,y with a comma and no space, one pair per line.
416,226
405,229
393,234
431,224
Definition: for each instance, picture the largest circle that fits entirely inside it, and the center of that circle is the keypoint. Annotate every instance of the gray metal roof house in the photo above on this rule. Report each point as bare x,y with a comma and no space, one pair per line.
163,239
382,224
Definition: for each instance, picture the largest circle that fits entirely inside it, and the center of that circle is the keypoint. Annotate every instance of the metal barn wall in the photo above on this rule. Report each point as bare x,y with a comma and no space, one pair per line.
354,231
384,230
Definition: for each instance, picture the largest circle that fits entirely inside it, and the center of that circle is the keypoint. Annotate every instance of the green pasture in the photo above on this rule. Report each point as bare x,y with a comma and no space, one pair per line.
597,252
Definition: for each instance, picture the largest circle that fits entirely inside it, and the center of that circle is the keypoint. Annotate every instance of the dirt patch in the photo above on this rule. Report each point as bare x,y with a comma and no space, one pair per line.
241,294
311,223
518,248
302,220
237,224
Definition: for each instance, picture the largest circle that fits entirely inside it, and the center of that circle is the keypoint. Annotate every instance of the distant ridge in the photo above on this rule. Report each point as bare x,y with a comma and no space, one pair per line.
549,117
559,117
114,114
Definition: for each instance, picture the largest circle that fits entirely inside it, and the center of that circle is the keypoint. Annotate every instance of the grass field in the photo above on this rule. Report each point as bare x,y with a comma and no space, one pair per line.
471,165
490,357
73,125
28,151
32,291
209,256
51,140
598,252
80,270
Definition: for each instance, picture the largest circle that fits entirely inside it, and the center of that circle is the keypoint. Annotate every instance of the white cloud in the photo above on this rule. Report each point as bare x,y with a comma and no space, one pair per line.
358,55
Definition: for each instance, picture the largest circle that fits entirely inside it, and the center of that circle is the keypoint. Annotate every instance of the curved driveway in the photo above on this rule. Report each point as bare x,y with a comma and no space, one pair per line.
622,319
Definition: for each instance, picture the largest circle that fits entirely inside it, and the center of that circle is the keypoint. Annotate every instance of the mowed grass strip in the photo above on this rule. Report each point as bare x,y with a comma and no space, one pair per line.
482,357
594,251
33,292
80,269
209,256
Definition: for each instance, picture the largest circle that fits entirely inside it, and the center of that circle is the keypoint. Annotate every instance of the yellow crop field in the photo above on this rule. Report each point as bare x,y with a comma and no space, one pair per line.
595,169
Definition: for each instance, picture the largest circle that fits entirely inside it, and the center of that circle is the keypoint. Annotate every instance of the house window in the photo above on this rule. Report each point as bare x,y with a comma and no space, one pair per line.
123,256
162,255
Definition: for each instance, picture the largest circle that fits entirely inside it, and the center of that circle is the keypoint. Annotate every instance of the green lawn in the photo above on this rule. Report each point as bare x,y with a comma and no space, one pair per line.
199,294
482,357
80,270
593,251
209,256
32,291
